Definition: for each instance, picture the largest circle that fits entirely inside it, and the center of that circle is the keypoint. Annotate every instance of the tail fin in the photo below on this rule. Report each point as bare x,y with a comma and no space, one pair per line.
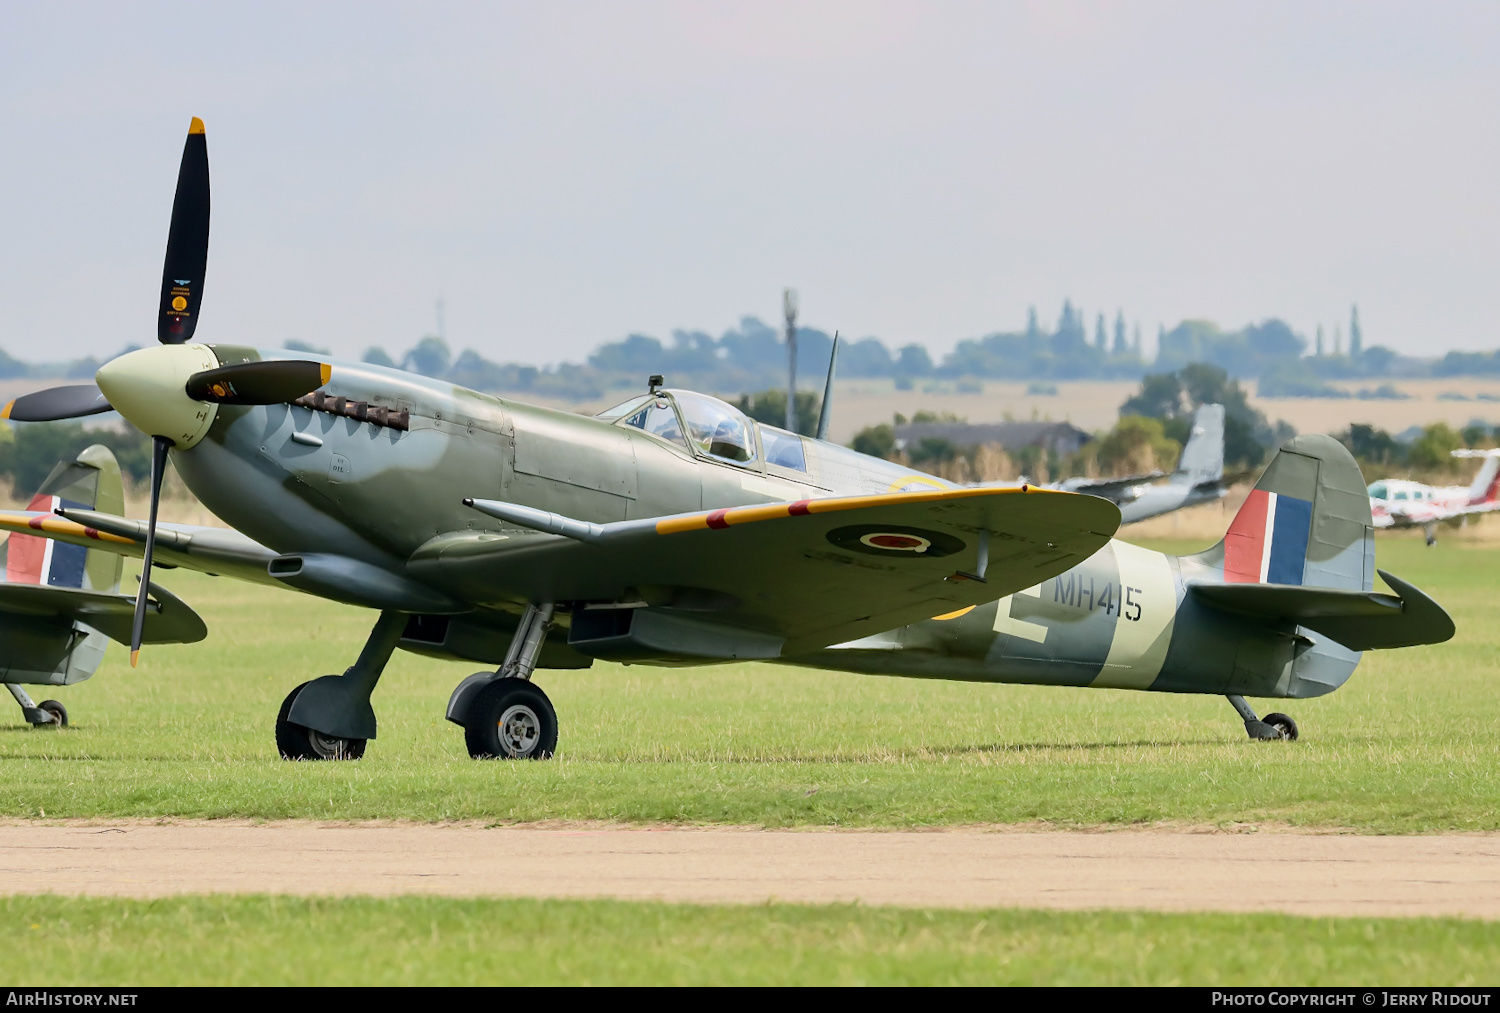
1486,485
90,481
1307,521
1202,459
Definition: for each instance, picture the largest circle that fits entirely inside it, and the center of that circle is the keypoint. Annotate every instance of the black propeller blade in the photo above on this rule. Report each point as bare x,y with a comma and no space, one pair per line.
159,447
56,403
187,244
270,382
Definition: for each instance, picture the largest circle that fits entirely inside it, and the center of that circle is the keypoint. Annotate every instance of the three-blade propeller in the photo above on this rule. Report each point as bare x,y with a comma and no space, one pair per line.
57,403
246,383
187,244
250,383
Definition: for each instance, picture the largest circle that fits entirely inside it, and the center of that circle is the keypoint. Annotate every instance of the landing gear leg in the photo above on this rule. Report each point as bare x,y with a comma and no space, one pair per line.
330,718
1430,530
48,712
503,715
1273,726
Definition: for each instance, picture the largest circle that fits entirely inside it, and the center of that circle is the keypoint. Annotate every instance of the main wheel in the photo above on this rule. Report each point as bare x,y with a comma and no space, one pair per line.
1283,724
298,742
58,711
511,719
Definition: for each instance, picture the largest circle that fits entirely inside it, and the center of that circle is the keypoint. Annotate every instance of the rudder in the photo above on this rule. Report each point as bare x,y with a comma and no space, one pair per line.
1307,521
90,481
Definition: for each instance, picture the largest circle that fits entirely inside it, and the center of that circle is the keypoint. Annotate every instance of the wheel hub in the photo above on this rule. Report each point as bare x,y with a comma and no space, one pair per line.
328,747
520,730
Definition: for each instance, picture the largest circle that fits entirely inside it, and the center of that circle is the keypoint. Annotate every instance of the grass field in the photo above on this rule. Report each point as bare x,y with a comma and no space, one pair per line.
425,941
1408,746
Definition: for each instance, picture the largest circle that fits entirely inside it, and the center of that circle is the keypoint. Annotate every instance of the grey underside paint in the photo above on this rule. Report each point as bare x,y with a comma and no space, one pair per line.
48,650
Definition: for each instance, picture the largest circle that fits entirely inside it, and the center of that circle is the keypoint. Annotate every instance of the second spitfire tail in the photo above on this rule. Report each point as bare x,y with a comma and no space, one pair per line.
1202,458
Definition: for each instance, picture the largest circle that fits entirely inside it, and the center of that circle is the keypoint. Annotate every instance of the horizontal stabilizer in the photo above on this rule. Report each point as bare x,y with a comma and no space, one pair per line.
169,620
1360,620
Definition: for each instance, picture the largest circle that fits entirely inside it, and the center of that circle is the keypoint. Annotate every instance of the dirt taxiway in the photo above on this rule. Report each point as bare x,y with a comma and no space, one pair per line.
1168,870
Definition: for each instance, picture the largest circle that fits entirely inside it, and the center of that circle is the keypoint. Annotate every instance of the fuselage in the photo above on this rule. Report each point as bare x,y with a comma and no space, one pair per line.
300,479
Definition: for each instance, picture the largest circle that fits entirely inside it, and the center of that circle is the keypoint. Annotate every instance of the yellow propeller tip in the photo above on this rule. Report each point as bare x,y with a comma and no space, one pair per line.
196,127
135,656
324,372
5,412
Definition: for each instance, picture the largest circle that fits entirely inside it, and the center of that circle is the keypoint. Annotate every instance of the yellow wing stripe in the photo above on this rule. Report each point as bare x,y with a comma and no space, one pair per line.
58,526
716,519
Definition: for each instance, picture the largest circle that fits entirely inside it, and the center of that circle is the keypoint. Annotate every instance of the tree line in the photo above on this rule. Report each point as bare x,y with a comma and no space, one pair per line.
752,356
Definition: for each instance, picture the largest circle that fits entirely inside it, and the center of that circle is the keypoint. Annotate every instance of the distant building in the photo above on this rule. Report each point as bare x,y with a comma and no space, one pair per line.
1061,438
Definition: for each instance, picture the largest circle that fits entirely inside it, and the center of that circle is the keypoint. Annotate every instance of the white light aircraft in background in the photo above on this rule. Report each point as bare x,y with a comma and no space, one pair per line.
1398,503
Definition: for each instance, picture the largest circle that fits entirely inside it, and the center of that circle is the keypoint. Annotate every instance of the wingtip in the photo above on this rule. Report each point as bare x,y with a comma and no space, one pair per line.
196,127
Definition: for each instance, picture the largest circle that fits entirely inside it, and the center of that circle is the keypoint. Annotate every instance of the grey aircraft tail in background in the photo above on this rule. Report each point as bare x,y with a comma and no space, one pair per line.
1199,477
60,604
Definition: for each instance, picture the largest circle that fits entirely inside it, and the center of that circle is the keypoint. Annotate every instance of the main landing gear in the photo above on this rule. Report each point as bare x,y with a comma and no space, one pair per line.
504,716
1272,726
330,718
48,712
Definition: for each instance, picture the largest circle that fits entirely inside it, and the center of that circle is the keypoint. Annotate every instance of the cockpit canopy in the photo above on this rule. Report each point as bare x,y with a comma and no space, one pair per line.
713,428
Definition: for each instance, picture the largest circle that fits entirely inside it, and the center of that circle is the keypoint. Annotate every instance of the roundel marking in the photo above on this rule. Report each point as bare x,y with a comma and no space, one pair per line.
894,540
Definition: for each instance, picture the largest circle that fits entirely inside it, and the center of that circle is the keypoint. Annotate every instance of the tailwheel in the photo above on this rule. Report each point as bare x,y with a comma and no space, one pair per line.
1284,726
511,719
298,742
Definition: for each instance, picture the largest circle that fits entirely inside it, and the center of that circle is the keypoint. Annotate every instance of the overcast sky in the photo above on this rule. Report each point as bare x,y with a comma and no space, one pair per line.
563,174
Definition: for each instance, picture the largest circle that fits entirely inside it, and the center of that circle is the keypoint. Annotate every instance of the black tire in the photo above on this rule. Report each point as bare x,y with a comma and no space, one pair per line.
1283,724
511,719
58,711
298,742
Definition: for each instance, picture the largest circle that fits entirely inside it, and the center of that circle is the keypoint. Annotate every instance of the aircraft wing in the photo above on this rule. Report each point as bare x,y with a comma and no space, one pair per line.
1430,514
811,573
1109,488
208,550
169,620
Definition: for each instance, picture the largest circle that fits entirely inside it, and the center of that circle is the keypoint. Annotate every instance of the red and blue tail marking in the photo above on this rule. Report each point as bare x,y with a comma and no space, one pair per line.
1267,543
35,560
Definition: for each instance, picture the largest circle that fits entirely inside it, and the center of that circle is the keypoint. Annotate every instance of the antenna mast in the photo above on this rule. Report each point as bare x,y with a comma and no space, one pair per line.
789,311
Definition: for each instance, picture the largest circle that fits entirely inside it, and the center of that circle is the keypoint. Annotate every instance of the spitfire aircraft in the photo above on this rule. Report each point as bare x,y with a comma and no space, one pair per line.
60,604
1198,478
673,530
1398,503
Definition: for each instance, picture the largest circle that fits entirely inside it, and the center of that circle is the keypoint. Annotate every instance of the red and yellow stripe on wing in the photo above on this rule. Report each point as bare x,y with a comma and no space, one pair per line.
715,519
57,526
